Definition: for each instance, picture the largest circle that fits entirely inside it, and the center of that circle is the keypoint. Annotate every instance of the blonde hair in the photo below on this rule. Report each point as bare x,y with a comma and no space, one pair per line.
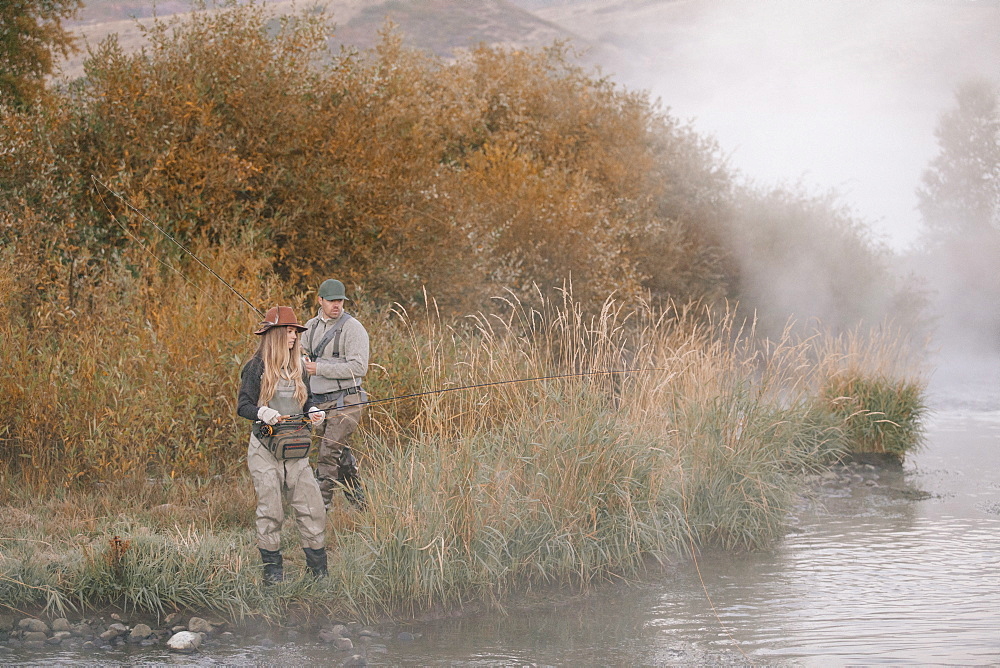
280,362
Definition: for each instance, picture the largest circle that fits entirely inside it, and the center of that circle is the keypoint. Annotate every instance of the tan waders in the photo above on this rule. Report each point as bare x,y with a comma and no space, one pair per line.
336,466
292,479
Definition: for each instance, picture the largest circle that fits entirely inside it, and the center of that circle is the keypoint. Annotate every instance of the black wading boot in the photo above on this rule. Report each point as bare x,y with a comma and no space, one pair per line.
316,561
273,571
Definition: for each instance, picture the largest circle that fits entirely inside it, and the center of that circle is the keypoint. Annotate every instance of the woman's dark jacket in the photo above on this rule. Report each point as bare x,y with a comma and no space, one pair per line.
253,371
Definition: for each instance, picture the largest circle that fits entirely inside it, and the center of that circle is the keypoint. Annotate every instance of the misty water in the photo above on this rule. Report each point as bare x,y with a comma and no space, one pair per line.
878,567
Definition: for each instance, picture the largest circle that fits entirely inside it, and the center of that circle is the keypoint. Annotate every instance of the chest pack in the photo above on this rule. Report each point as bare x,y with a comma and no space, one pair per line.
285,440
332,334
289,439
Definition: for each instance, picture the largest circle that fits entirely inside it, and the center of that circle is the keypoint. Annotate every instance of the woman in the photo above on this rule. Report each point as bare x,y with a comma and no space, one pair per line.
272,387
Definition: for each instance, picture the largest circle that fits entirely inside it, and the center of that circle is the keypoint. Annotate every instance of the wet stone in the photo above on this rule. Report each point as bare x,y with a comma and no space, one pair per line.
62,635
31,636
140,632
61,625
33,644
54,641
355,660
199,625
343,644
33,625
184,641
83,630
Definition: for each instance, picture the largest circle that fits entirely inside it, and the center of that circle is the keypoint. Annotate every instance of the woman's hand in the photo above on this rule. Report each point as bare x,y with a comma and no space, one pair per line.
268,415
316,415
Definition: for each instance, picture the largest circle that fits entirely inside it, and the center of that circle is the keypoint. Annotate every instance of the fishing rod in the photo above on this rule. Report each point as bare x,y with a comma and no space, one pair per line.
400,397
146,218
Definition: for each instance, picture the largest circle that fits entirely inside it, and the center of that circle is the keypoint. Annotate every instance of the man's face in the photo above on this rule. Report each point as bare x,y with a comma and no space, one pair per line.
332,308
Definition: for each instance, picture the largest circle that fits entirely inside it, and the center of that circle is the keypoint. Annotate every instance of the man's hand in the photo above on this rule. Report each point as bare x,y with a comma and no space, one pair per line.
310,367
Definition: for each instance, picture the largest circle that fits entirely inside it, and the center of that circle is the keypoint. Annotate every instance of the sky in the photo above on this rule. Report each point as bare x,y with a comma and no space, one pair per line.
832,94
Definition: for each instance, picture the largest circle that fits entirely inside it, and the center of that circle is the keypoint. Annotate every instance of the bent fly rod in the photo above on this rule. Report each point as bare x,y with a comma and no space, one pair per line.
159,229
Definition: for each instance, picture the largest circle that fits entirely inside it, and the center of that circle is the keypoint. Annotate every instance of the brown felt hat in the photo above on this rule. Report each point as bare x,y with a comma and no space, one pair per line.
279,316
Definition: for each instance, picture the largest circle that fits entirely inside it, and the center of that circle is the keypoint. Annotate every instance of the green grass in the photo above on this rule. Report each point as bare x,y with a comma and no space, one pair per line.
880,415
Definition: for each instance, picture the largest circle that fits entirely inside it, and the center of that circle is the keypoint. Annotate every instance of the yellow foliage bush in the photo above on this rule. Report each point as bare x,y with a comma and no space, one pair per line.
393,169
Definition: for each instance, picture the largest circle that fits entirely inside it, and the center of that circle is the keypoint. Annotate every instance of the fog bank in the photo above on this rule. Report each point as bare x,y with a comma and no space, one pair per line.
840,95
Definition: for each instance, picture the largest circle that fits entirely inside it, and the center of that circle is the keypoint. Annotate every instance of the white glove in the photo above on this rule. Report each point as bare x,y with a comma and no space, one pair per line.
316,415
268,415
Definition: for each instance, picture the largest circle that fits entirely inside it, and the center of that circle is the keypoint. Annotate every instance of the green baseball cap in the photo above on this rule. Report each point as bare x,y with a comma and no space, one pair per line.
331,289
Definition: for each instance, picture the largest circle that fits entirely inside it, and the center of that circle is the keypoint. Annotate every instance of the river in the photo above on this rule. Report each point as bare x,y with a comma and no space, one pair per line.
878,567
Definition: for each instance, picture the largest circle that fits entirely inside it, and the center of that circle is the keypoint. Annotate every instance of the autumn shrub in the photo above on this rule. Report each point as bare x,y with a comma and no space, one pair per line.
393,169
139,379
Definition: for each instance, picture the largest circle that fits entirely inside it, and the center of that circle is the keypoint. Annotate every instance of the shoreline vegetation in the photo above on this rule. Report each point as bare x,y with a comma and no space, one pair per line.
474,495
459,201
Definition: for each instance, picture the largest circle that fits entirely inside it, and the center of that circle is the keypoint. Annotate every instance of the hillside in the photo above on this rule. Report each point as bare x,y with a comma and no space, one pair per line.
438,26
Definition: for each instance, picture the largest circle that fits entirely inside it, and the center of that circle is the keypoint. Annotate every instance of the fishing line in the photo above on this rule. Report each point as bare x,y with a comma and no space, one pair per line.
400,397
701,579
175,242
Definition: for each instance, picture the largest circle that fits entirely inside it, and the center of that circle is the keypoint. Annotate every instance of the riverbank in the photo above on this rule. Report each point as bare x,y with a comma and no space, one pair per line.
477,496
120,636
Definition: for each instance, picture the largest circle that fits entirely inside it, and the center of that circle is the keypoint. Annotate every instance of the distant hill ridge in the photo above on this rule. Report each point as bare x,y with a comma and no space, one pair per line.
438,26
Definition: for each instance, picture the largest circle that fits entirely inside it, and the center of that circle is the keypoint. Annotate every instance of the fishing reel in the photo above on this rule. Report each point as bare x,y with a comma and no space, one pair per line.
266,430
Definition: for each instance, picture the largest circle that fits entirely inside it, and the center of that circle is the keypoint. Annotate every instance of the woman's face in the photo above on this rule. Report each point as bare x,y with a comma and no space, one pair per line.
292,335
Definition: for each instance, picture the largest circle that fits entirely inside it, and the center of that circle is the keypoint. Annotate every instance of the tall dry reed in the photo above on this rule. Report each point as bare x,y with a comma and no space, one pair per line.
643,435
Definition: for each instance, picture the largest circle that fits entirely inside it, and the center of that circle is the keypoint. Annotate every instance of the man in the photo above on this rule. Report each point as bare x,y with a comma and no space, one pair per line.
336,349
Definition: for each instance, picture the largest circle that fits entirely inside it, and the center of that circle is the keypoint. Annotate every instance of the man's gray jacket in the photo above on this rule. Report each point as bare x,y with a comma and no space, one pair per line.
343,362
